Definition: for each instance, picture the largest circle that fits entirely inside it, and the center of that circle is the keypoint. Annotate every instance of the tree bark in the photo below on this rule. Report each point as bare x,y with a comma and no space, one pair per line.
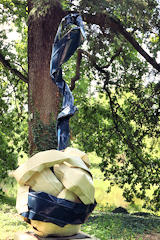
43,93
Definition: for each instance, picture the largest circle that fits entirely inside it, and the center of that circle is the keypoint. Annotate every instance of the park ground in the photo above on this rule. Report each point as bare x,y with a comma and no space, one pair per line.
102,223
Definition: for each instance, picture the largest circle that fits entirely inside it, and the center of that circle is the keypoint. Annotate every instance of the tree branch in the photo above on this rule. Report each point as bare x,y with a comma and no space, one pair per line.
78,63
113,57
117,121
93,61
13,70
105,21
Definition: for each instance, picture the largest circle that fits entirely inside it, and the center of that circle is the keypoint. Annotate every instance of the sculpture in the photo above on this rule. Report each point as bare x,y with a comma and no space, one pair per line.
56,193
63,49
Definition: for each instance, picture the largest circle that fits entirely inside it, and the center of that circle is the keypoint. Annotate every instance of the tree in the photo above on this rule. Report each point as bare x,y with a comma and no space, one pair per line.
44,18
122,123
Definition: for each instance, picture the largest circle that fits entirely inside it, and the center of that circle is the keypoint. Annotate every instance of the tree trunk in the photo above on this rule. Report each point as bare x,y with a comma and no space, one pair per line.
43,93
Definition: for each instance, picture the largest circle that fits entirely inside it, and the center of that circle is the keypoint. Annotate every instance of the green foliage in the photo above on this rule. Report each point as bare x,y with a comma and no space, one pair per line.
8,159
40,7
13,125
127,143
121,121
13,128
13,92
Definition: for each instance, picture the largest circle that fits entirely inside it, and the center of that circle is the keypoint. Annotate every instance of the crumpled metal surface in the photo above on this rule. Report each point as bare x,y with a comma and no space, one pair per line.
63,48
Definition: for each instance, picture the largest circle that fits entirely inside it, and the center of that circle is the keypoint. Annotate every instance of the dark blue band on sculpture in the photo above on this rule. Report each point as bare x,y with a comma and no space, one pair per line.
63,48
47,208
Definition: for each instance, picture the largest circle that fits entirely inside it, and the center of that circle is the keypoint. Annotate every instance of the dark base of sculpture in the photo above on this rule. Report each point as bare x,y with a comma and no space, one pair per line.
32,236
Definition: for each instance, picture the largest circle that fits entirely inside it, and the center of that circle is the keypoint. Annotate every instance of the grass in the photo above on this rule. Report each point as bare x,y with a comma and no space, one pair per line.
10,221
102,223
120,226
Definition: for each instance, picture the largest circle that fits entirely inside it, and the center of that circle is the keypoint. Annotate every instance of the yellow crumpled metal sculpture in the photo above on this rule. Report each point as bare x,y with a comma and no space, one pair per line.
71,180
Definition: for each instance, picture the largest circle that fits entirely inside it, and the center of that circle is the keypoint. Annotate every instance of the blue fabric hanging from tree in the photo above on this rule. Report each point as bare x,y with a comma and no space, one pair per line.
63,48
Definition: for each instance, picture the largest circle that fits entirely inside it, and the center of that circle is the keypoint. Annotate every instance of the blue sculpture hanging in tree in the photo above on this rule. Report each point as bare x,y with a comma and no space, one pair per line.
63,48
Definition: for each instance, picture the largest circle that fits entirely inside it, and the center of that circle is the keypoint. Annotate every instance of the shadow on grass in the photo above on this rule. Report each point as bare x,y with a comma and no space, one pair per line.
95,165
121,226
7,200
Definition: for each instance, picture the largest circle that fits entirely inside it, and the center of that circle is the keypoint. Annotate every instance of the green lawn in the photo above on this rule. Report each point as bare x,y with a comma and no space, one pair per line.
10,221
121,226
103,225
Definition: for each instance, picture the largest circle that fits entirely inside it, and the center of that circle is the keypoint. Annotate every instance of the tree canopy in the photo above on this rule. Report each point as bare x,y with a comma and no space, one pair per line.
116,87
